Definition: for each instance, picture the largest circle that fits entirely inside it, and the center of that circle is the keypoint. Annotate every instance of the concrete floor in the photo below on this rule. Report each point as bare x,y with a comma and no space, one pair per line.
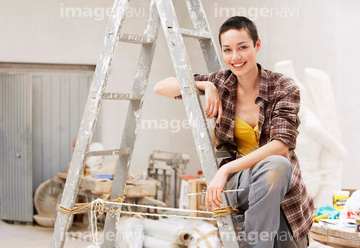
31,236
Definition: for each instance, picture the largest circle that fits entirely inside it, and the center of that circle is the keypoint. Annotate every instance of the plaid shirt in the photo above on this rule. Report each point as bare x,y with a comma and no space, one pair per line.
279,101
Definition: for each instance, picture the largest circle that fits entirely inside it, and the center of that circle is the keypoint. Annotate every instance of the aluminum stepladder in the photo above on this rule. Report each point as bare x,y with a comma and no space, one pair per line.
160,11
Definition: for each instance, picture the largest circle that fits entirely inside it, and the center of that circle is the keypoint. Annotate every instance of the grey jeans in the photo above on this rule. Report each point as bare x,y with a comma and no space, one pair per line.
265,185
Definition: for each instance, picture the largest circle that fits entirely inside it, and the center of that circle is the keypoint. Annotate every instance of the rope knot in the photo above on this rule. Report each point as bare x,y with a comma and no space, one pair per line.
98,203
224,211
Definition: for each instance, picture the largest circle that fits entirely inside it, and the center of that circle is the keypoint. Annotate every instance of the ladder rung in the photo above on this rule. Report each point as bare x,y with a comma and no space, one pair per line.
137,39
239,218
195,34
109,152
222,154
122,96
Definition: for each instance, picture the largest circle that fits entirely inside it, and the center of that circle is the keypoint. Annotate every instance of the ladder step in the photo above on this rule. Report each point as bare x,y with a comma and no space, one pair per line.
137,39
222,154
195,34
122,96
239,218
110,152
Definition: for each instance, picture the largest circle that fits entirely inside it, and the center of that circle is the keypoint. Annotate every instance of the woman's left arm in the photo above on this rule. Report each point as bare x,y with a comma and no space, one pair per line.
213,195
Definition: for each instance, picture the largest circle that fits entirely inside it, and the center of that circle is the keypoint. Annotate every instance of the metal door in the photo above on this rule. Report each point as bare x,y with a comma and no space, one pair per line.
58,104
16,147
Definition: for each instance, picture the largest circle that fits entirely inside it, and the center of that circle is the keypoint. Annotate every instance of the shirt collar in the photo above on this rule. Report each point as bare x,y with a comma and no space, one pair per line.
263,89
231,80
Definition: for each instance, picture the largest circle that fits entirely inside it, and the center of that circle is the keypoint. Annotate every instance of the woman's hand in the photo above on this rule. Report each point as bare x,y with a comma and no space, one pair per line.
213,193
213,101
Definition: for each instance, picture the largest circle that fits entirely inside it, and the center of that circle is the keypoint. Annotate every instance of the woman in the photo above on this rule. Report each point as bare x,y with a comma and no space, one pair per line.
256,115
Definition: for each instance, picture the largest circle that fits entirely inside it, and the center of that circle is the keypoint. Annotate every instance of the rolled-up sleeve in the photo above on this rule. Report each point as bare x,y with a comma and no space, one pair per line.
285,120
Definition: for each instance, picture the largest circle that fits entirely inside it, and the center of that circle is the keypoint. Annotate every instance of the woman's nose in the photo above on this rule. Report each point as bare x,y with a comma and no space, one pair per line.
236,55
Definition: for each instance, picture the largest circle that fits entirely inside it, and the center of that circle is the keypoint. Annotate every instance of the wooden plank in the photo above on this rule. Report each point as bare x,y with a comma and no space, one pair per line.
142,188
342,242
321,238
318,229
345,233
192,199
340,237
195,202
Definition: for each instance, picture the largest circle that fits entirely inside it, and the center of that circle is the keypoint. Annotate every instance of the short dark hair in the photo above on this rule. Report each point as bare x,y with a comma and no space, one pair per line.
238,23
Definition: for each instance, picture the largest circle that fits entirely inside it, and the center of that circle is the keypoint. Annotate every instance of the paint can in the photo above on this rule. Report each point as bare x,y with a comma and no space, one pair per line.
357,222
339,199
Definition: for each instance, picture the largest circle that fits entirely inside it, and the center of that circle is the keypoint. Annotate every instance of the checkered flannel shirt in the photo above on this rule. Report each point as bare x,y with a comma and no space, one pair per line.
279,101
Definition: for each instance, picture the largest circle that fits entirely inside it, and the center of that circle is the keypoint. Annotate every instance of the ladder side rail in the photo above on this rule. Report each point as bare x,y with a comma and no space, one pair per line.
132,122
208,46
212,59
186,83
88,121
194,111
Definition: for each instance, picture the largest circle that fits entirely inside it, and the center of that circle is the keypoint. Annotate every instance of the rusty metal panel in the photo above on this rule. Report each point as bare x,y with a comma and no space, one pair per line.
16,148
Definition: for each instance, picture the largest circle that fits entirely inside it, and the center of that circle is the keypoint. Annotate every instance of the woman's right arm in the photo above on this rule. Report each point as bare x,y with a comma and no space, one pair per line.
169,87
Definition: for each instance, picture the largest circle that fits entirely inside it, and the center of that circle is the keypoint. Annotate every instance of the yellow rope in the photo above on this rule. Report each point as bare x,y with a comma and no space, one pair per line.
98,205
224,211
80,207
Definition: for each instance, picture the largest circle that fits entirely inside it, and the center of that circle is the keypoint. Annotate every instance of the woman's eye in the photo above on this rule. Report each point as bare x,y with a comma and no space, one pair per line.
243,47
226,50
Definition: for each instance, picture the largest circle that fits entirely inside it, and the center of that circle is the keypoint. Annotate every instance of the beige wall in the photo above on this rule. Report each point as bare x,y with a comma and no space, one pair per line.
322,35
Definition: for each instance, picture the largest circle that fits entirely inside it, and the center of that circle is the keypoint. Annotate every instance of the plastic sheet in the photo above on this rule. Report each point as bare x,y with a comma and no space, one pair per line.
166,231
153,242
204,234
129,233
352,206
333,213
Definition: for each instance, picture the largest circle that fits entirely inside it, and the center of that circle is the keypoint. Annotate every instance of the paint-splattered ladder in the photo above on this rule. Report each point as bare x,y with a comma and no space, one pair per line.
160,10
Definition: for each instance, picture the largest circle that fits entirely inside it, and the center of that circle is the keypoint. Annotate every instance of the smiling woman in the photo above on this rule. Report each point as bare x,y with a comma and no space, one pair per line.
258,109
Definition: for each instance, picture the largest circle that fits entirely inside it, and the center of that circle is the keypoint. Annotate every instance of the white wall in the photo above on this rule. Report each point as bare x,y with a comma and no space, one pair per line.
322,34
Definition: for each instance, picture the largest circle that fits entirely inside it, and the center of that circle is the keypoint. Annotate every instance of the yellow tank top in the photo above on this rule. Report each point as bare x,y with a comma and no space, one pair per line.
246,137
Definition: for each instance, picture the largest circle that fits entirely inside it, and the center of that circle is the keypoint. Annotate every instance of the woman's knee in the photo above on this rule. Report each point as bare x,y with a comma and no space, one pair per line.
281,164
276,169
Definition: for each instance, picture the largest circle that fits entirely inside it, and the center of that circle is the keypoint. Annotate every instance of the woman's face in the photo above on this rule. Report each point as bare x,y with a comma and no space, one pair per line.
239,52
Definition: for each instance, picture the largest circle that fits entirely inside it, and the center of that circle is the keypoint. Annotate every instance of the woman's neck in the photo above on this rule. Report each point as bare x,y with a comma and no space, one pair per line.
249,82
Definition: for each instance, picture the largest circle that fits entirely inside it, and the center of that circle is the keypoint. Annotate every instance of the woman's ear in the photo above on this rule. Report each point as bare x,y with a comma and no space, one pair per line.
258,45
